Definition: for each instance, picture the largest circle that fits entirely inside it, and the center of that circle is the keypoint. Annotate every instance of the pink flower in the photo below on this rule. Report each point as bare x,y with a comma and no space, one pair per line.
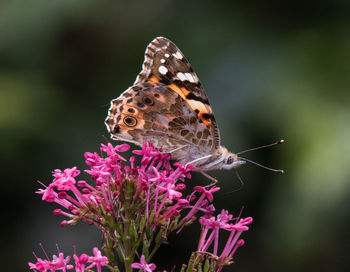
41,265
147,149
49,195
207,193
210,235
61,263
112,151
64,180
97,260
201,203
143,265
170,190
57,263
184,169
80,262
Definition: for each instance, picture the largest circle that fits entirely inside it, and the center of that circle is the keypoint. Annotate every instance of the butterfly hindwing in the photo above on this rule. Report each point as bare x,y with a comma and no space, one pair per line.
151,111
165,63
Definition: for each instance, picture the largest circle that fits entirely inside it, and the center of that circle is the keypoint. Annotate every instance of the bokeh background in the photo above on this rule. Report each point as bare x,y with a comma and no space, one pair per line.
271,69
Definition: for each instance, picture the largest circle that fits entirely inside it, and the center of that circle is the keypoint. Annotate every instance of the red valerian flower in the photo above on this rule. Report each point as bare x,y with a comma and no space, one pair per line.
147,199
211,227
144,265
137,203
61,263
157,186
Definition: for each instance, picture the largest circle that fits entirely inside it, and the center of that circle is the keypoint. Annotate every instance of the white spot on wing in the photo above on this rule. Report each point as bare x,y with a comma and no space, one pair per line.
181,76
190,77
167,55
187,77
162,60
162,69
177,55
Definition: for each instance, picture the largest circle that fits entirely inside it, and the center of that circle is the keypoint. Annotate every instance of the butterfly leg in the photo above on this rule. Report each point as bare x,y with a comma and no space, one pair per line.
214,180
176,149
199,159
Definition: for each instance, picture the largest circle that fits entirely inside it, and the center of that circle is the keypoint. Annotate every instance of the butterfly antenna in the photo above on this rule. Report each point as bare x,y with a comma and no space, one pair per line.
261,147
262,166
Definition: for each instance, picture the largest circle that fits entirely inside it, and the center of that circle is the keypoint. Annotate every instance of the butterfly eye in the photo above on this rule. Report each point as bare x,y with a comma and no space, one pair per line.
130,121
229,160
148,101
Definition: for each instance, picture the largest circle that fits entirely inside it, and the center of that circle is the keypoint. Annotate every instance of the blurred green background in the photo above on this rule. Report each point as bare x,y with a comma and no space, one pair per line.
271,69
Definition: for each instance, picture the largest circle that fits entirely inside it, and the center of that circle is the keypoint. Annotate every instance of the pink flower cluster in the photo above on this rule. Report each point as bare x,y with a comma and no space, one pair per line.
61,263
136,206
157,187
210,235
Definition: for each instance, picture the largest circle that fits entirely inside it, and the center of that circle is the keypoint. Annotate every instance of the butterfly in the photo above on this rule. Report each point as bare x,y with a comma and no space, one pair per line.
168,107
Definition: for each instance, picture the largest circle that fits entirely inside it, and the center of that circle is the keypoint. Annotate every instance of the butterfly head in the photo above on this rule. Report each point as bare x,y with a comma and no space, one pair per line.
231,161
224,160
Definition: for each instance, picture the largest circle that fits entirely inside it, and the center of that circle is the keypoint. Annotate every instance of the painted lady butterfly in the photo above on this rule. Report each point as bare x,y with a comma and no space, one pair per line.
167,106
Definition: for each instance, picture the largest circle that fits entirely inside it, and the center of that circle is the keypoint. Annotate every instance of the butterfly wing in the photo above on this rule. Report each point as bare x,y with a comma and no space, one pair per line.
151,111
165,63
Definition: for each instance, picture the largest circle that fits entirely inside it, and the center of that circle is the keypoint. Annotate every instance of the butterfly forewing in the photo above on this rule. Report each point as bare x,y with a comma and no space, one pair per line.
165,63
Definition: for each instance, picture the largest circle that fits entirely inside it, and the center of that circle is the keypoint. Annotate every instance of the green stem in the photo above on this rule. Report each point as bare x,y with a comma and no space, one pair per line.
128,216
